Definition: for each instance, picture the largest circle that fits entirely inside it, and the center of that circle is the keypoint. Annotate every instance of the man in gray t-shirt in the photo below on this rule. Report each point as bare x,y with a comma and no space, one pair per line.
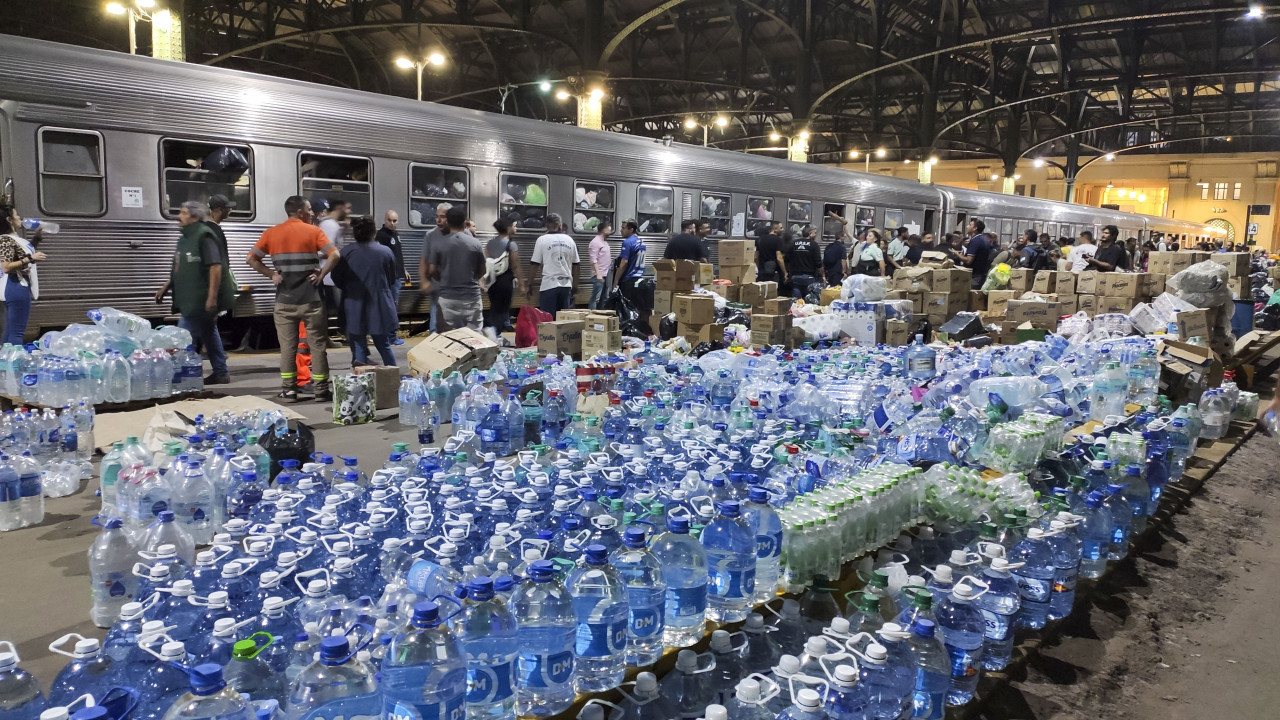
424,283
455,264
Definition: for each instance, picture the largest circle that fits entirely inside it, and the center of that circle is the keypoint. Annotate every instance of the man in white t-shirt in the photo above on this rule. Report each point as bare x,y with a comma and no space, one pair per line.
331,225
1084,250
555,258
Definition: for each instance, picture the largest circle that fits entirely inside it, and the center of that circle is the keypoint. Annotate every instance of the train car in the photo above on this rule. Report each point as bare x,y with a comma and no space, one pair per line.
1185,233
1011,215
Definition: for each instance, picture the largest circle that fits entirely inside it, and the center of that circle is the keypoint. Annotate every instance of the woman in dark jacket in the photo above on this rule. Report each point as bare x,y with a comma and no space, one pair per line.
366,274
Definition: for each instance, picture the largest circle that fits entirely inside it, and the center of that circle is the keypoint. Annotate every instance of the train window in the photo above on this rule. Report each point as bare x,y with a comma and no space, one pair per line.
715,210
337,177
71,177
759,215
593,205
523,200
433,185
799,216
654,206
195,170
831,228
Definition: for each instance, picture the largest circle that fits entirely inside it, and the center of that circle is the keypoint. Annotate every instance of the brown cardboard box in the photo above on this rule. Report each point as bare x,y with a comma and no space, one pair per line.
728,292
777,306
1087,282
1085,303
460,350
977,301
913,279
386,384
769,323
897,332
1115,285
1039,314
1241,288
702,333
998,301
830,295
1153,284
1070,304
1178,261
771,337
917,300
738,274
1065,283
595,342
561,337
674,275
737,252
706,274
1020,279
935,259
754,294
1236,263
1045,282
602,323
664,301
1107,304
695,309
573,314
945,305
1187,369
950,280
1192,323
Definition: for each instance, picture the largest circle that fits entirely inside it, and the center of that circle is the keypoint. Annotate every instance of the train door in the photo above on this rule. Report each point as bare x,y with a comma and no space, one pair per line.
930,217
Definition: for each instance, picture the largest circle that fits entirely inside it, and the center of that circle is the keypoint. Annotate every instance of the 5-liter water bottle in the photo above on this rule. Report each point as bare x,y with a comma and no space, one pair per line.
684,569
690,688
766,524
1065,542
645,703
424,671
889,690
1121,522
999,606
337,683
933,671
1095,537
963,632
193,502
1035,577
165,530
806,706
731,564
641,574
546,635
1216,408
90,671
750,701
111,579
761,652
487,631
921,360
600,610
10,497
251,675
162,683
730,665
847,697
209,698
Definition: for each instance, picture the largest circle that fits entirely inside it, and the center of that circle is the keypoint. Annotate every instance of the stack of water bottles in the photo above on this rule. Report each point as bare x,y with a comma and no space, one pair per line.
43,454
535,552
117,359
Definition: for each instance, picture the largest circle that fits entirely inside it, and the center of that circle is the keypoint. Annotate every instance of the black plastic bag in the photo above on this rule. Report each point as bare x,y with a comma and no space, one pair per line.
625,301
226,161
297,444
815,294
730,316
703,348
668,327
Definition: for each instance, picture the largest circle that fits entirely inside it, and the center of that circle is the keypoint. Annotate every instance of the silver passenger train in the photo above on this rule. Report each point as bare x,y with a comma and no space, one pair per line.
109,146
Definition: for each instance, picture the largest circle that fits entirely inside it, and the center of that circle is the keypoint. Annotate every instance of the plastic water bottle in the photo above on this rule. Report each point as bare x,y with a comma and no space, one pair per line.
646,701
689,687
766,524
999,606
546,635
730,665
1065,542
921,360
10,497
641,574
761,652
46,226
731,564
600,610
684,569
208,698
1121,522
193,502
806,706
251,675
424,671
337,683
90,671
1035,577
20,695
749,701
847,697
487,631
933,671
162,683
166,531
889,691
963,632
1095,537
116,376
111,579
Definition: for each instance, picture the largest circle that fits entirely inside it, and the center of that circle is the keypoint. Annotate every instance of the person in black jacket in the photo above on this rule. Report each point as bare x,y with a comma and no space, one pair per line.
389,237
804,262
685,245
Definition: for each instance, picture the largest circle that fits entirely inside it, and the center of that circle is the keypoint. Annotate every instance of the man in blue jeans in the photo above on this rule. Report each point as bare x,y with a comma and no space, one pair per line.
196,279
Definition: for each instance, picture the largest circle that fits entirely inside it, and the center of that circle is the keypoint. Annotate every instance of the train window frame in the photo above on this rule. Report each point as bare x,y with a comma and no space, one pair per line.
670,190
721,224
749,227
503,175
835,223
600,212
319,153
42,173
808,224
237,214
453,201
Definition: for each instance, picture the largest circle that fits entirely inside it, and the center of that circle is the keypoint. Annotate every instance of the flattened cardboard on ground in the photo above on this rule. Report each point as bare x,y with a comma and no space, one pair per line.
111,428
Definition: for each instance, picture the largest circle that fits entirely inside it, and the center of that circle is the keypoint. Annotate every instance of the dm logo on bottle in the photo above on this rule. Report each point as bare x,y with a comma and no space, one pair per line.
645,622
542,671
489,684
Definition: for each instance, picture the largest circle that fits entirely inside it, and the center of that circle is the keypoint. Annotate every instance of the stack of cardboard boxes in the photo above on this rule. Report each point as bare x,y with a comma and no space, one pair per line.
938,293
580,333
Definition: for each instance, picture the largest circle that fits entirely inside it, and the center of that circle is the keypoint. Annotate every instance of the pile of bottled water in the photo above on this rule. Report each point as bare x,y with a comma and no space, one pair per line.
43,454
117,359
539,551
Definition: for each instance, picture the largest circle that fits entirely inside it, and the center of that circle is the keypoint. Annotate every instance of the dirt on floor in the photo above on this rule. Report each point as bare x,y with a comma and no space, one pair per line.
1182,629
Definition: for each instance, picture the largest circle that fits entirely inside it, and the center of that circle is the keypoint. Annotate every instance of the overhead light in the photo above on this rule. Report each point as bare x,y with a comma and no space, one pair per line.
145,3
1133,193
544,86
994,177
721,121
404,62
1142,197
1016,176
774,136
596,93
881,152
691,123
562,94
933,159
804,134
853,154
1038,162
906,161
162,20
1109,157
435,59
1110,185
1255,11
116,8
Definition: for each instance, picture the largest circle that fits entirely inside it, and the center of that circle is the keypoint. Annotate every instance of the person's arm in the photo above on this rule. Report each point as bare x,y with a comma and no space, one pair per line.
330,262
255,262
844,265
622,272
513,260
782,264
816,254
424,274
479,267
215,282
535,268
577,269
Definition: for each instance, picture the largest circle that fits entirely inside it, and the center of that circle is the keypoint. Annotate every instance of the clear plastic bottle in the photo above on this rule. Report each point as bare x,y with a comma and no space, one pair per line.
767,527
193,502
730,666
690,686
999,606
90,671
647,701
163,683
731,561
209,698
933,671
111,560
807,705
546,636
641,574
251,675
487,631
424,671
600,611
337,678
963,635
684,569
166,531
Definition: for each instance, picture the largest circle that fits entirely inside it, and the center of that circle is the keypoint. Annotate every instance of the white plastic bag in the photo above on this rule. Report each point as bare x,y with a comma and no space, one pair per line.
864,288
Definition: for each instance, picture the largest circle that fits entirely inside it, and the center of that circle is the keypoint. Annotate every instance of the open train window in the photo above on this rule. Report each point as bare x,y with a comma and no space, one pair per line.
433,185
832,228
713,209
197,170
72,181
799,216
654,208
336,177
759,215
593,205
523,200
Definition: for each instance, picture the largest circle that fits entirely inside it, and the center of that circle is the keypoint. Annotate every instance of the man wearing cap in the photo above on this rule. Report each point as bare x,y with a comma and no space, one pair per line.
425,285
555,258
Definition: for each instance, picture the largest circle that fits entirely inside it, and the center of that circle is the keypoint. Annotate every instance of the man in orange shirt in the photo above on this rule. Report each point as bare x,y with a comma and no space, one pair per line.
294,246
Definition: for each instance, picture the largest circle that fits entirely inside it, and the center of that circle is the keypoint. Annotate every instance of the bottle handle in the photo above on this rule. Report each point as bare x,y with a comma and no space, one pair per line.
56,645
822,662
765,680
299,577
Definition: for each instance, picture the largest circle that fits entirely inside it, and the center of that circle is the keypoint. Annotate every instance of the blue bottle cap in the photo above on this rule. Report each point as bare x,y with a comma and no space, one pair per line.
596,555
923,627
206,679
503,583
678,524
425,615
1133,470
541,570
758,495
571,521
480,589
166,516
114,523
729,508
98,712
634,537
334,649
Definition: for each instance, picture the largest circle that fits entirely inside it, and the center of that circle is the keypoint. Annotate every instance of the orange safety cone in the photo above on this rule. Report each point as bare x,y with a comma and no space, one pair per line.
304,356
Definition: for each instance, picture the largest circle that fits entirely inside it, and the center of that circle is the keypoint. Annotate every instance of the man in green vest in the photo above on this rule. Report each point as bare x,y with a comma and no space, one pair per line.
198,292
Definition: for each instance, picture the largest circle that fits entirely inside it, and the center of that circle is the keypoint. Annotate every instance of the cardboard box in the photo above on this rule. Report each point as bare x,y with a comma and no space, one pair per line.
777,306
702,333
935,259
913,279
1241,288
1020,279
460,350
1065,283
664,301
1186,370
698,309
737,252
1192,323
830,295
1236,263
738,274
595,342
897,332
1117,285
386,383
1070,304
1045,282
1087,282
977,301
728,292
706,274
865,324
573,314
998,301
1038,313
1085,303
675,275
951,280
1153,284
945,304
561,337
602,323
771,337
754,294
769,323
918,300
1107,304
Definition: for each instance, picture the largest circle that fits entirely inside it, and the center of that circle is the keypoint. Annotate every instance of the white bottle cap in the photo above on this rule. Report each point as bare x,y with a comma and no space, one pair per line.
788,665
721,641
87,647
877,654
647,682
166,550
943,574
755,623
790,609
808,699
846,675
748,690
840,626
172,650
687,661
816,646
716,712
1035,533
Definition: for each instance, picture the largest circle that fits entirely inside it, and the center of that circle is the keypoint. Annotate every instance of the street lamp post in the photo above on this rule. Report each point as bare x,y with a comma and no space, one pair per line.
405,63
134,10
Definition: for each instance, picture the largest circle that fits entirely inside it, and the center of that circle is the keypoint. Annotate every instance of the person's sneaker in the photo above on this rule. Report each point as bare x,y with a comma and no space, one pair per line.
215,379
288,394
324,396
357,363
